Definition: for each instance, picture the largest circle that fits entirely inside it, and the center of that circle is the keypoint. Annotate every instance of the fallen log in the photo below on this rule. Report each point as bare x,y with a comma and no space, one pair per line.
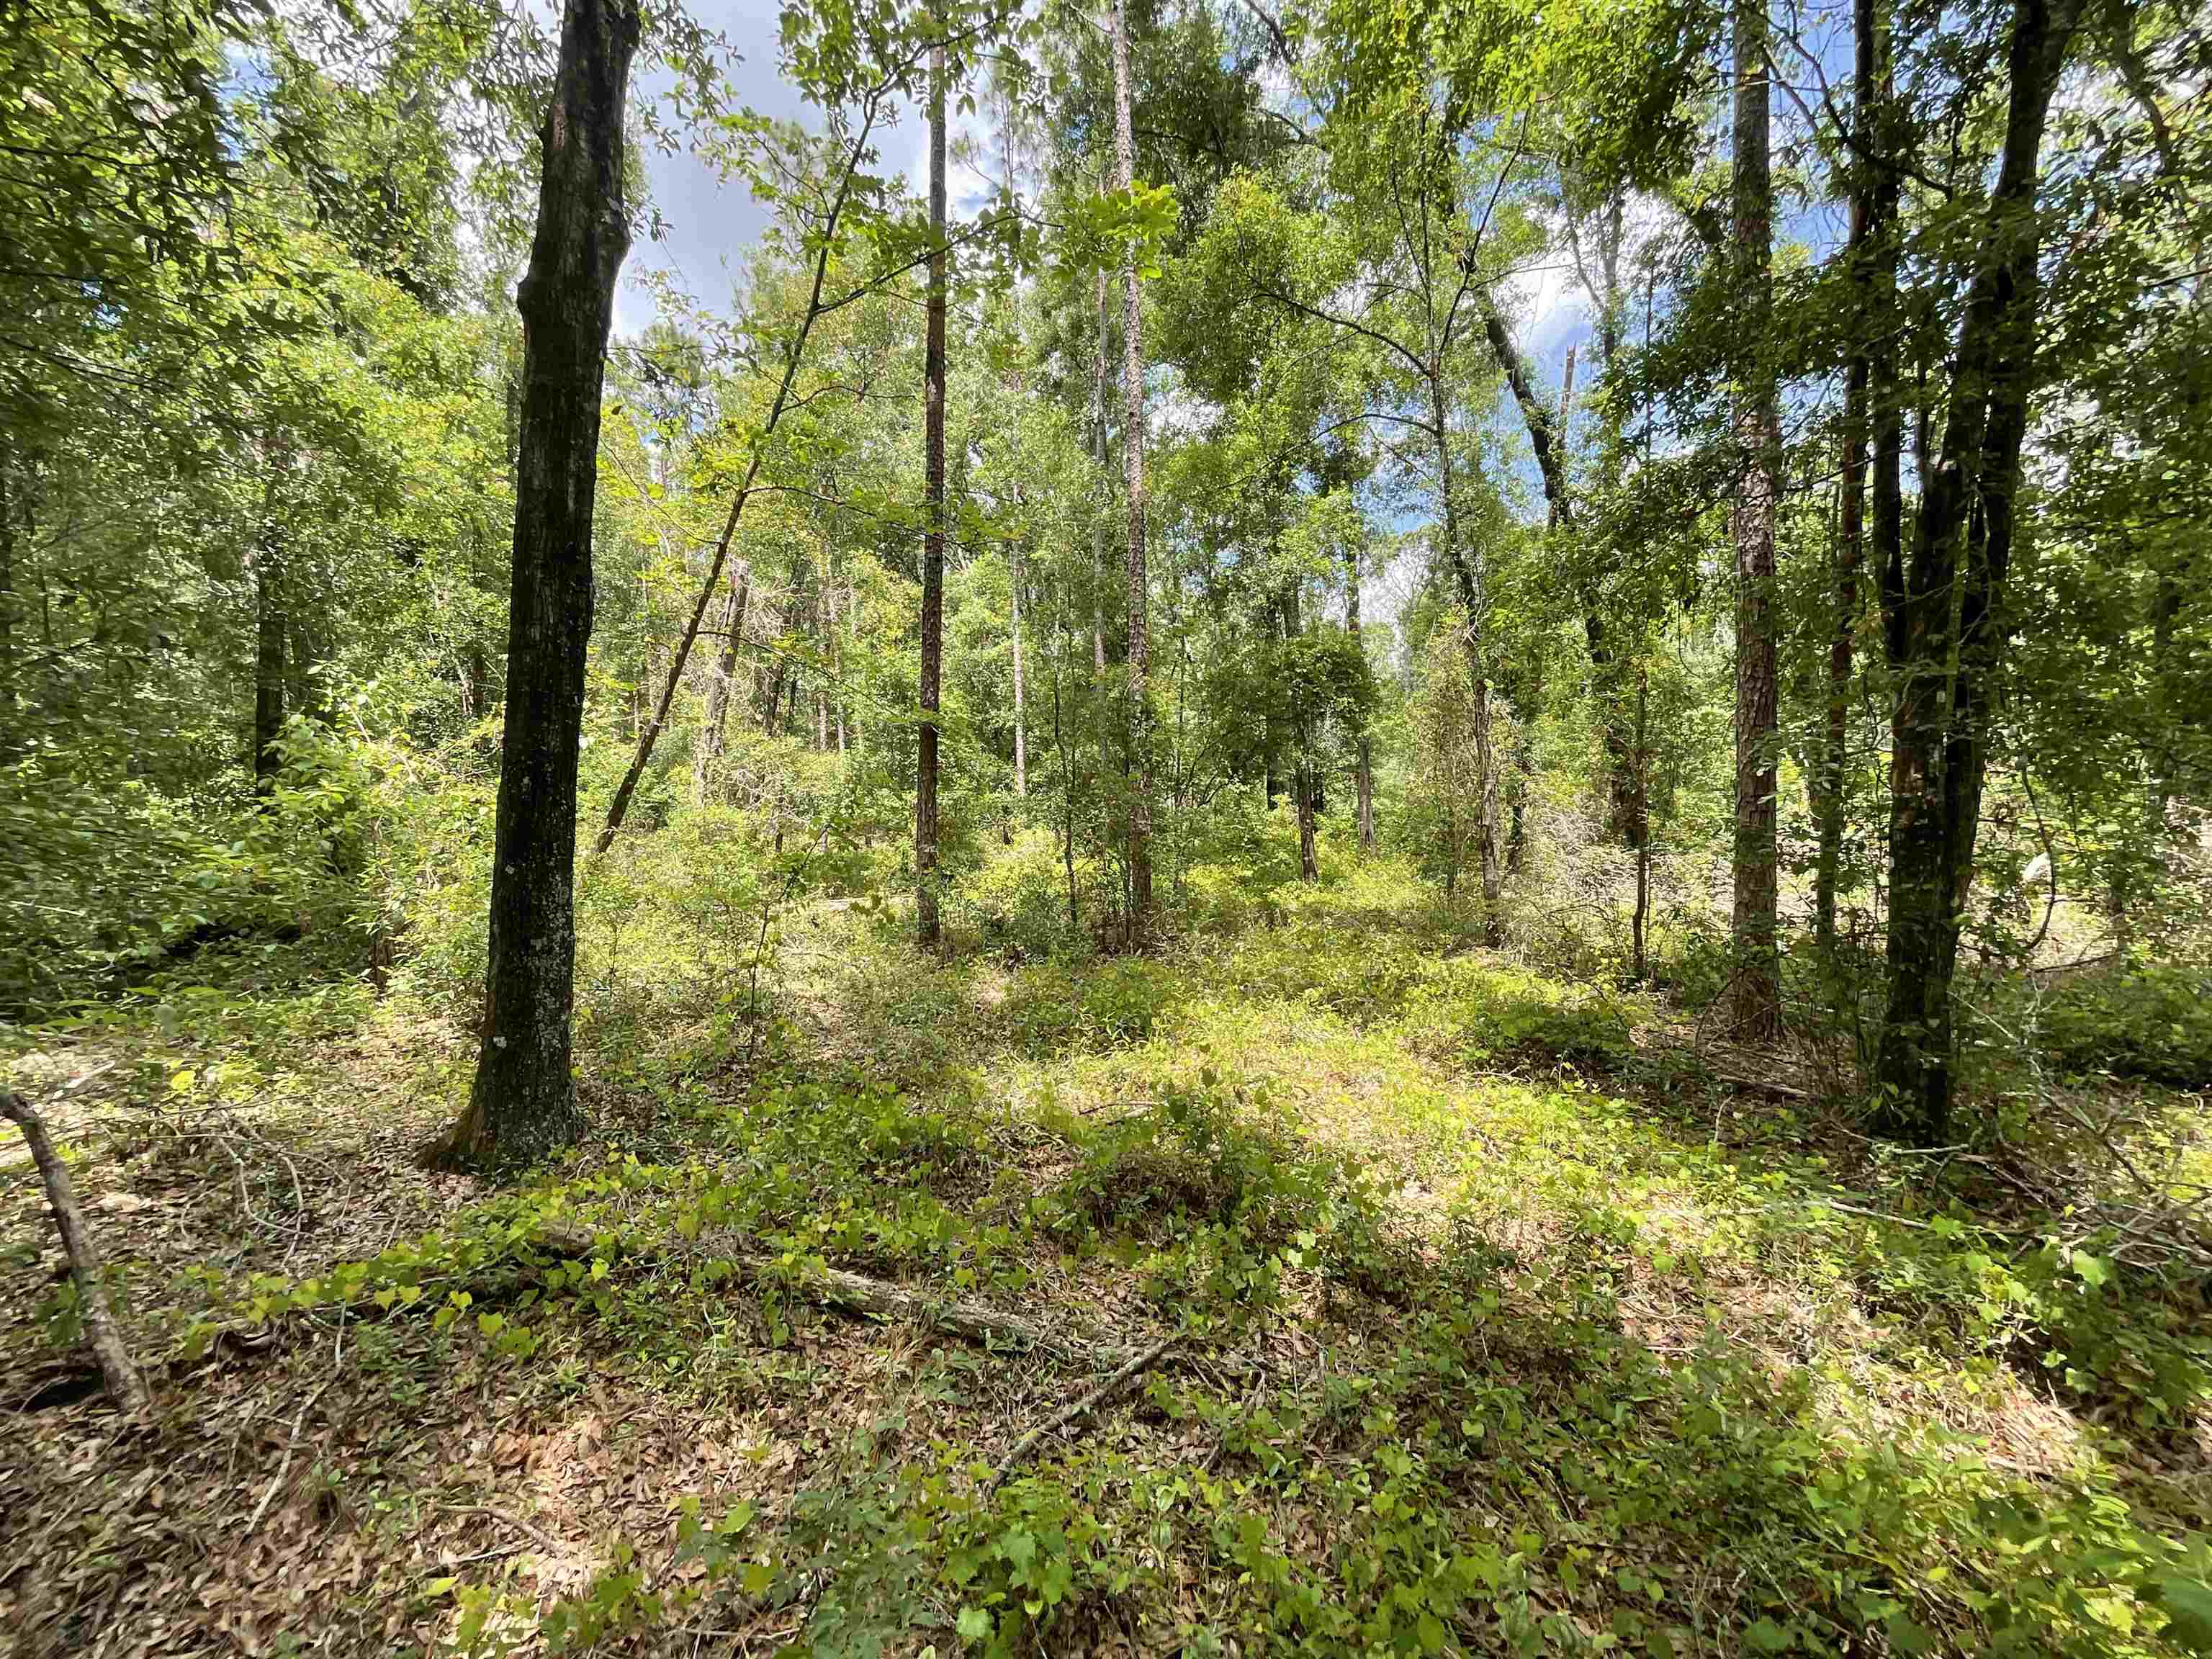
858,1295
124,1386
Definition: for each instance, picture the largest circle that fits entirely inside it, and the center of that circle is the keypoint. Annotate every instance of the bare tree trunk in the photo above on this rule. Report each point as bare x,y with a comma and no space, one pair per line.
1948,631
927,924
1021,733
1133,454
102,1335
1476,602
271,626
1639,965
1757,994
1364,762
1866,253
1098,519
524,1102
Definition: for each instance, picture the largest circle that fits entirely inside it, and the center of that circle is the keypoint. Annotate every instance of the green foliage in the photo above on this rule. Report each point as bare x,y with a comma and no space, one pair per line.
2149,1019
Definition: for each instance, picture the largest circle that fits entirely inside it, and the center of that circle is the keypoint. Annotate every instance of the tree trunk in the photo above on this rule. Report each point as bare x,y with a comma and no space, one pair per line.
1870,409
1757,422
1473,597
1133,454
1021,734
1948,628
1640,964
1364,757
524,1103
1098,519
713,728
271,628
926,925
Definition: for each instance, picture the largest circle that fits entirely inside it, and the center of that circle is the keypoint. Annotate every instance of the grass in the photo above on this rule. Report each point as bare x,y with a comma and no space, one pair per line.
1505,1327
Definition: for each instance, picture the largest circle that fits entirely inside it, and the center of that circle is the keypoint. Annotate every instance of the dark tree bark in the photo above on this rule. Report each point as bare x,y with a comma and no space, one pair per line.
1133,455
1948,630
1756,418
927,923
524,1103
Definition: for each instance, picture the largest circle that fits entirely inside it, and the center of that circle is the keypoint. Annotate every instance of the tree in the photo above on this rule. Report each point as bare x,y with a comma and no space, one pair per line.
523,1102
1945,612
1871,415
1757,424
932,557
1132,458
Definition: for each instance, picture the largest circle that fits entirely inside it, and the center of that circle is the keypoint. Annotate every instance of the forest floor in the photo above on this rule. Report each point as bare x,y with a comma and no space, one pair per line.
1497,1319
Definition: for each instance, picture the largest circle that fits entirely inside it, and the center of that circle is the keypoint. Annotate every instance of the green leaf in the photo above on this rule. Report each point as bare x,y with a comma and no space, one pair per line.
2187,1603
1766,1636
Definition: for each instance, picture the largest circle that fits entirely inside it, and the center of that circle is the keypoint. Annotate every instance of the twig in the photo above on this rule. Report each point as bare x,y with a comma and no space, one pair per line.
1083,1407
124,1386
285,1467
542,1540
1761,1085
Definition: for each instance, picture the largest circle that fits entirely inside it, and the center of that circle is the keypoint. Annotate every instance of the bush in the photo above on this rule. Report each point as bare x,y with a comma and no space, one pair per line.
1018,898
1484,1014
2146,1020
111,880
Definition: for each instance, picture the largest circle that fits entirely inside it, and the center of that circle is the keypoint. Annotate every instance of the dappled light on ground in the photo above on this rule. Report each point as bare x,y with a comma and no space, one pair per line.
1498,1324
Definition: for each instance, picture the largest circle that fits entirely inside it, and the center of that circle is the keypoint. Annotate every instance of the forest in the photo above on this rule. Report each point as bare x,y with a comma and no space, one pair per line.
1177,827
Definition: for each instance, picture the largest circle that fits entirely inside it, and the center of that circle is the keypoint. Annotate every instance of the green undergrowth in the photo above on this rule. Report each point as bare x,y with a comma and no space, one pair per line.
1499,1332
1493,1458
